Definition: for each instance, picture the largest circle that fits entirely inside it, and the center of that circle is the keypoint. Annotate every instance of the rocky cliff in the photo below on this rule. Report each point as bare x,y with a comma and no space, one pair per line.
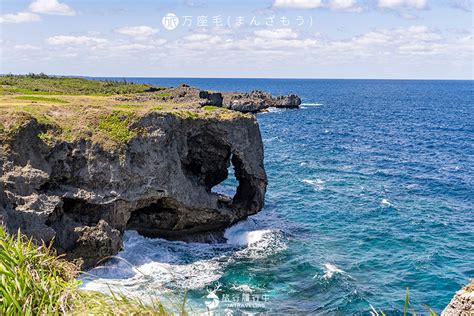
83,195
257,101
246,102
462,303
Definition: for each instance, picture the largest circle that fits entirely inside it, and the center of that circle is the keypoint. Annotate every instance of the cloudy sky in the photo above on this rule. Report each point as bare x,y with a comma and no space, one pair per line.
430,39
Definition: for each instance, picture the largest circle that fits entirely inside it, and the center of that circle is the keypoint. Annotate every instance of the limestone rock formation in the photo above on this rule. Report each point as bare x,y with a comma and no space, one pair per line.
211,98
252,102
462,303
257,101
84,196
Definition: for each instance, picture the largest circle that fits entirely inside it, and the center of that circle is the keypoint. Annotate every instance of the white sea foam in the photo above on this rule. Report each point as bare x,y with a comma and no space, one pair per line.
317,184
270,139
386,203
159,266
273,110
254,243
330,271
242,288
311,104
239,235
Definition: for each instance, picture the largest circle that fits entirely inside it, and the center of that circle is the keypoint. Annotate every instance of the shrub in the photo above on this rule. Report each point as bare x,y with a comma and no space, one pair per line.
35,281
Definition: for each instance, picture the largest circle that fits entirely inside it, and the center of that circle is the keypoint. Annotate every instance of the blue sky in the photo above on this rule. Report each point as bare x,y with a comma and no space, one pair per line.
412,39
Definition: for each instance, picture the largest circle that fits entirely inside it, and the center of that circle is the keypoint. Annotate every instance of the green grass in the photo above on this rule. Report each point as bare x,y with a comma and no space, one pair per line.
126,106
430,312
34,281
163,95
116,126
43,84
44,99
185,114
211,108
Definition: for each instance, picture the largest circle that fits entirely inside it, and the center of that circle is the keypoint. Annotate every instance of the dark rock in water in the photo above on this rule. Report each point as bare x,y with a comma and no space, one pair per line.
83,196
290,101
210,98
257,101
183,85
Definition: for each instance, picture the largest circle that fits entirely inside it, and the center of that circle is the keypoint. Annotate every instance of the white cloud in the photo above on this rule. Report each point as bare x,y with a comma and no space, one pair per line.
298,4
20,17
276,34
342,4
392,4
74,40
195,41
314,4
198,37
26,47
133,46
141,31
51,7
413,40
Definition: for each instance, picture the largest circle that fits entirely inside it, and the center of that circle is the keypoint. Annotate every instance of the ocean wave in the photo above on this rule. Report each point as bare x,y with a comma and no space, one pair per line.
161,266
317,184
331,271
265,140
311,104
386,203
272,110
256,243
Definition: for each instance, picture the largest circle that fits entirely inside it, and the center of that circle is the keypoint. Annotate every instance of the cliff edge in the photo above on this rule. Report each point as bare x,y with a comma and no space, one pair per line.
462,304
83,170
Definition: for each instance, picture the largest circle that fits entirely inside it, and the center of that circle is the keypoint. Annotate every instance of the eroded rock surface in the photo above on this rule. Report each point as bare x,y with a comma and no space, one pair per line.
257,101
462,303
252,102
84,196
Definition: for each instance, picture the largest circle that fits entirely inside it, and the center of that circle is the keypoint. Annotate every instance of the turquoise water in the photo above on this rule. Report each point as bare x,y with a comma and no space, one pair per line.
371,191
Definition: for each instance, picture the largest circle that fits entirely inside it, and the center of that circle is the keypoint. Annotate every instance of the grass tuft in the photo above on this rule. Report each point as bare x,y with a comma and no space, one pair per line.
34,281
41,99
211,108
116,125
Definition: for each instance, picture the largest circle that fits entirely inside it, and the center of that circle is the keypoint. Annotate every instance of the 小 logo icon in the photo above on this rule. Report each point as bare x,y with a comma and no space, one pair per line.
170,21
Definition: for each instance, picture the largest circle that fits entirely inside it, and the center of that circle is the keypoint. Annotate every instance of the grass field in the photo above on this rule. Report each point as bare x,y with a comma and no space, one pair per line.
43,84
78,108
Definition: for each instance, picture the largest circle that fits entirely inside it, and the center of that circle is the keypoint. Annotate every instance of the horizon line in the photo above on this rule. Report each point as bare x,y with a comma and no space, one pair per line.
254,78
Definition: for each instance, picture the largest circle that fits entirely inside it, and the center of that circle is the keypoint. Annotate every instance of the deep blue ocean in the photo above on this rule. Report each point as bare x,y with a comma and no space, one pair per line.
371,191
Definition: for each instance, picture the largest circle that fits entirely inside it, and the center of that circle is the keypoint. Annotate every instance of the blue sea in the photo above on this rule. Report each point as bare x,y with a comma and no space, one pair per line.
371,191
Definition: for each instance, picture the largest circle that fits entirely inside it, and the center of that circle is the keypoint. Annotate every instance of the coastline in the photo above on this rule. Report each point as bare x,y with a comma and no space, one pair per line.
322,185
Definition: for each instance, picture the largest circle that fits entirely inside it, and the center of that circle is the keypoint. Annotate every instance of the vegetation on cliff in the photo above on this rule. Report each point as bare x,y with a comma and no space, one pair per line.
101,111
35,281
47,85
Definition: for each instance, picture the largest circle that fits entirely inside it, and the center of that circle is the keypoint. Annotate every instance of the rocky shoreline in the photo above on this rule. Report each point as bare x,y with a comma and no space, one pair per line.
462,304
83,195
252,102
